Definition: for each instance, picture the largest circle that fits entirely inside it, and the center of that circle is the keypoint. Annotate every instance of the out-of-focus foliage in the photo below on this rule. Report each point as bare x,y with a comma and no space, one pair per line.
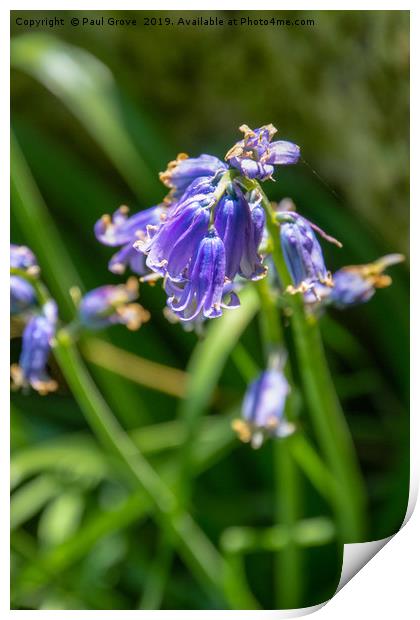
97,112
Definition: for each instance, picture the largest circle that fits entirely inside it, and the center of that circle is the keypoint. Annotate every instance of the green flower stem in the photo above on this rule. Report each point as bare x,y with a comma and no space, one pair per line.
196,549
289,573
323,405
198,552
235,583
157,577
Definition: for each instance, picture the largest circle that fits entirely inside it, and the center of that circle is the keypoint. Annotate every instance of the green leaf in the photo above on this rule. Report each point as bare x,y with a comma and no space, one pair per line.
30,498
61,518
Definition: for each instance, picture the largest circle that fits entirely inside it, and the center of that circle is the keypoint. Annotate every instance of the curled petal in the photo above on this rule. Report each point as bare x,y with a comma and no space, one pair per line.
128,256
284,153
121,229
164,249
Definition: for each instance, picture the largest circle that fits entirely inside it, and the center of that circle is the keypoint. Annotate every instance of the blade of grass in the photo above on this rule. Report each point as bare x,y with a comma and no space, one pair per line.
322,402
32,215
88,89
30,499
135,508
196,549
289,574
138,369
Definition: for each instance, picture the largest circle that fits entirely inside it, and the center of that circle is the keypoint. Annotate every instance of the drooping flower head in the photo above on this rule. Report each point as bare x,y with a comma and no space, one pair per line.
110,305
263,407
36,346
124,231
202,290
256,155
181,172
22,294
303,254
356,284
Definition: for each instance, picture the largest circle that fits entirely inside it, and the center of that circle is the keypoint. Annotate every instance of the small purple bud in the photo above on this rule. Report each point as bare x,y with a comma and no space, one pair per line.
263,409
22,257
36,346
357,284
110,305
303,255
22,295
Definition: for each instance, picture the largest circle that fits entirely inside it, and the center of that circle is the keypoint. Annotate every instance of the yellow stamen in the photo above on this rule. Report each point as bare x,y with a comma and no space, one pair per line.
242,429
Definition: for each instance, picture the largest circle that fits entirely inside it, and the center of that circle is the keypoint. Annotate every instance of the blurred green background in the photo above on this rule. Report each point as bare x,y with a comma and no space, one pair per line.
97,112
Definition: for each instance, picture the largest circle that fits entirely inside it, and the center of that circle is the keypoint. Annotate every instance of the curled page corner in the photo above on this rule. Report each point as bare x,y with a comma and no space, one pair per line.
357,555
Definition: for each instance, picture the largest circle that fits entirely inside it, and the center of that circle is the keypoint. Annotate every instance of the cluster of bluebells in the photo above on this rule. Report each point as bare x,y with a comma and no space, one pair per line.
205,240
99,308
40,323
208,237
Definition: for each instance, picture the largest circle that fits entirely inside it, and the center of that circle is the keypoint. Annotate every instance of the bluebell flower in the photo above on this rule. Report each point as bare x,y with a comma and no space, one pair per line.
230,300
303,255
251,266
110,305
181,172
170,248
263,408
22,294
121,230
241,231
256,155
36,346
201,291
22,257
356,284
